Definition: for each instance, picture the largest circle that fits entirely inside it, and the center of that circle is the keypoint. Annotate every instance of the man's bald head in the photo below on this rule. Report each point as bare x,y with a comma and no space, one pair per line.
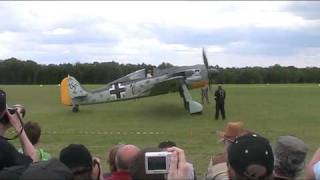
125,155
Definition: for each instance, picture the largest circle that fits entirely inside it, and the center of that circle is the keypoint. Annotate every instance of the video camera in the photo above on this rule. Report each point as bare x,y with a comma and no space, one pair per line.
157,162
4,109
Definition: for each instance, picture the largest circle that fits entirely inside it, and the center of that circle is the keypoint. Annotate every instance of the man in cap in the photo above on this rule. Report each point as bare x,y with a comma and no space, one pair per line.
9,156
290,153
250,157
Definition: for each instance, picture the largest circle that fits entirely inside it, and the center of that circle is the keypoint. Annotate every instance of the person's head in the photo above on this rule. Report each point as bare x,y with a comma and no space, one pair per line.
125,156
166,144
250,157
33,131
219,87
290,153
78,158
138,170
112,157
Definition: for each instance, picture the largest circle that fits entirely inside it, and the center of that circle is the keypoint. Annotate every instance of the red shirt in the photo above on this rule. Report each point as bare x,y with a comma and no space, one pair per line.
119,175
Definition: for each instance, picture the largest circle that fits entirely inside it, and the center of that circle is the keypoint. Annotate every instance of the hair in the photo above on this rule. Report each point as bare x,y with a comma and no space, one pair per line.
112,157
33,131
137,170
125,156
166,144
121,164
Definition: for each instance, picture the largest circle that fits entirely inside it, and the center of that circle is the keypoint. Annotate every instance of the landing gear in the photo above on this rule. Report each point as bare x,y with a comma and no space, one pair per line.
75,108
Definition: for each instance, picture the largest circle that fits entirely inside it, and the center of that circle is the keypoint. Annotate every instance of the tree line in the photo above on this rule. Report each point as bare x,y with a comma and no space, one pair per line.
15,71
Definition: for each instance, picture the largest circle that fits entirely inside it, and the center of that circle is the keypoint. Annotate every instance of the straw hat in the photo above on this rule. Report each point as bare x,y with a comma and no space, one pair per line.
232,130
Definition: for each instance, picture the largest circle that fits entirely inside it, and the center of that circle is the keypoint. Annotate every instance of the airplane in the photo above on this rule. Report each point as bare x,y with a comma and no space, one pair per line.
137,85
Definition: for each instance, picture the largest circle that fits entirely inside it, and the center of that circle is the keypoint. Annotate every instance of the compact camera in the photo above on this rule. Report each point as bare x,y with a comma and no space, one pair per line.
4,108
157,162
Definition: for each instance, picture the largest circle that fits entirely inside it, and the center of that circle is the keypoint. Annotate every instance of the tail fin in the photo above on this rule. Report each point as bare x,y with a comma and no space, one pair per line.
64,92
71,88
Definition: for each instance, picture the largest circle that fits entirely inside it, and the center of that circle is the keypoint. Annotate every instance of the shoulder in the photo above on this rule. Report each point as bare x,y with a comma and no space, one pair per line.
43,155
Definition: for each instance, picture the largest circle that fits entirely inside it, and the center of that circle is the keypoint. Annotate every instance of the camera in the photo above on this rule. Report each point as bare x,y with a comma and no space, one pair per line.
157,162
4,108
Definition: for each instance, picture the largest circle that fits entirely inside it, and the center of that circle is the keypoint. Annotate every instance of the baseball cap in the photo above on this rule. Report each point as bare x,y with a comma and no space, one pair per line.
290,153
52,169
248,151
76,157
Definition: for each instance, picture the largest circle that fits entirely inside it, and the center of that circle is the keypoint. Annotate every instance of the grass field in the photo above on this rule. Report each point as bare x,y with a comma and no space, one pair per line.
270,110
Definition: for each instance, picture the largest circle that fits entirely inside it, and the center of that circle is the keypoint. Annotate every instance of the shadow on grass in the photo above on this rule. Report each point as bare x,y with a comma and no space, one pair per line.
163,111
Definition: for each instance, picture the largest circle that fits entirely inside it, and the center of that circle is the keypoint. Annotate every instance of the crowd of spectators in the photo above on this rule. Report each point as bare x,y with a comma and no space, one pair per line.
246,156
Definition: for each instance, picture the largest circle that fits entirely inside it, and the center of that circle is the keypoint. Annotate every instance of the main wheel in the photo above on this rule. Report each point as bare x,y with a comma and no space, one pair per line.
75,108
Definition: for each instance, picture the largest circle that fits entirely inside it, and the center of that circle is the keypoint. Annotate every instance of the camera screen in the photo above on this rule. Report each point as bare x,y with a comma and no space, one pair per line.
157,163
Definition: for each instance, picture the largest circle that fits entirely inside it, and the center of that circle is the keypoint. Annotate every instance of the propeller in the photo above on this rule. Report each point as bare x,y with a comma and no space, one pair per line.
209,70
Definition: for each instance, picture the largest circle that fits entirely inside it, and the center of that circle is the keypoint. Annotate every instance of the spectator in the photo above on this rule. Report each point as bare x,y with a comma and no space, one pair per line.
33,132
312,170
112,159
123,160
204,94
164,145
79,160
9,156
250,157
217,169
289,153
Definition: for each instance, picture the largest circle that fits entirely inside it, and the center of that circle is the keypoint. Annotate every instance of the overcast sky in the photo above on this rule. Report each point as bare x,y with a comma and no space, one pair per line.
235,34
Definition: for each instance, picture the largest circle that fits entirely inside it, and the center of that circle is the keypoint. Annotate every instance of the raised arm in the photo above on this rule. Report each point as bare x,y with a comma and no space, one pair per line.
27,147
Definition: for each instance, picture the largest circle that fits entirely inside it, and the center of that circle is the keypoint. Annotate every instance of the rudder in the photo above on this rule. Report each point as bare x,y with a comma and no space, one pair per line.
64,92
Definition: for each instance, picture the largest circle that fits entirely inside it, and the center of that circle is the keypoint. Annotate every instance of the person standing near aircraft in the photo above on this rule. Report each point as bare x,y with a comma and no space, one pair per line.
204,94
220,96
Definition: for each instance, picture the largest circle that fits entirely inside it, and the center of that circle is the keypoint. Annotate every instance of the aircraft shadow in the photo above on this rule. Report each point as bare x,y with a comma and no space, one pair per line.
163,110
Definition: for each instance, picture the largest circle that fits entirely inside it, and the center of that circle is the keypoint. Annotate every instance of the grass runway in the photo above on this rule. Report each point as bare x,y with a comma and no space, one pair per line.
270,110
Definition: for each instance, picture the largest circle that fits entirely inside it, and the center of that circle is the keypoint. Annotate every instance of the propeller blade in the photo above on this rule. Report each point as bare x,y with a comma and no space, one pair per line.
205,60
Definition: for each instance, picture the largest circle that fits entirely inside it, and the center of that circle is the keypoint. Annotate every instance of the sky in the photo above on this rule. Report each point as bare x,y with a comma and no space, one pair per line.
233,33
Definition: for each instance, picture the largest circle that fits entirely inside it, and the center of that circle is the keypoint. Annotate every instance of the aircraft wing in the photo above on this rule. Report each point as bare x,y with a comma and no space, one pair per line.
169,85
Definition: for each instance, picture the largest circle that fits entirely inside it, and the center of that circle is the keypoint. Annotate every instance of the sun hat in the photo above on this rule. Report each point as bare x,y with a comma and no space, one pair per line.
233,130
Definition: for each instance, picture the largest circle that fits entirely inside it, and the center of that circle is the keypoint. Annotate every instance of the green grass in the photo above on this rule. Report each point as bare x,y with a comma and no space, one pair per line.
270,110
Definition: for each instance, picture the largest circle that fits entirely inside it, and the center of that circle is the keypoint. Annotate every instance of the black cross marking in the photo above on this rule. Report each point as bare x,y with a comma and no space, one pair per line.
72,85
117,90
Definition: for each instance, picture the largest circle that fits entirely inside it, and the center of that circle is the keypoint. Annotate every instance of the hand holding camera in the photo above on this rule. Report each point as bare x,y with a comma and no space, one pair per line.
157,162
178,164
173,163
14,120
11,115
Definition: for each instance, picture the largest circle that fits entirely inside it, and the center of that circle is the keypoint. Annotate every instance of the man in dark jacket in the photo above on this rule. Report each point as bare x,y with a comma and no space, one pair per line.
220,96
